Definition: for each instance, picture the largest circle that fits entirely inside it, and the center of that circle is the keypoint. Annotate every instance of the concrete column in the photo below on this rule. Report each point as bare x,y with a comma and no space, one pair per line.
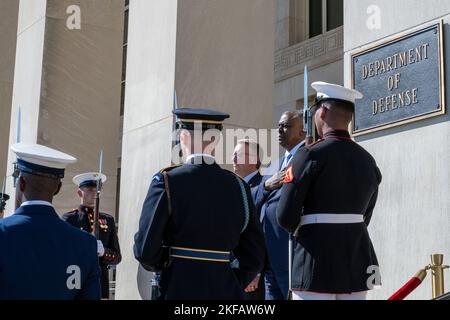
290,23
67,85
9,14
27,80
216,54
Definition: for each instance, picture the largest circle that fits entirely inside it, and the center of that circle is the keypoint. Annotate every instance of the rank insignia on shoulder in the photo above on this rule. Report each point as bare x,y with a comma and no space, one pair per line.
169,168
157,177
289,177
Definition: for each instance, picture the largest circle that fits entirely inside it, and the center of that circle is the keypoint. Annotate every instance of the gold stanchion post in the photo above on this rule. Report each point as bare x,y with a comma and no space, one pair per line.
437,274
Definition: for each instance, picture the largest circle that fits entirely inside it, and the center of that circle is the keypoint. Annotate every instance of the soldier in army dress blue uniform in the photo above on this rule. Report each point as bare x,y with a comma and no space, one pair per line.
83,218
41,256
195,216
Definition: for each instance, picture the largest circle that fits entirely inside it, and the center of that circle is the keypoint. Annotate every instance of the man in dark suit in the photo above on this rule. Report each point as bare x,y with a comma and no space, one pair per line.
41,256
195,215
327,199
291,137
246,164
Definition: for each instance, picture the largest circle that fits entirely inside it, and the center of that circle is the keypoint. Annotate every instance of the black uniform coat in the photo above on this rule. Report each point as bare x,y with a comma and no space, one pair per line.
335,175
254,182
83,218
207,213
259,293
40,255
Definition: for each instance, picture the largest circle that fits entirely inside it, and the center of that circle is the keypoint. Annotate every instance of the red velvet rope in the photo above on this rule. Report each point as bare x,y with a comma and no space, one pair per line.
404,291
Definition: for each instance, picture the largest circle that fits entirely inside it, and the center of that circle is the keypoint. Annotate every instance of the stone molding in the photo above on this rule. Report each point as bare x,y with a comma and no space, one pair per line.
314,52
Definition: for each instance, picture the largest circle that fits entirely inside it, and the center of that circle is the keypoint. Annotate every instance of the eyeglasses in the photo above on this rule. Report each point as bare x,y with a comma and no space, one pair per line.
284,126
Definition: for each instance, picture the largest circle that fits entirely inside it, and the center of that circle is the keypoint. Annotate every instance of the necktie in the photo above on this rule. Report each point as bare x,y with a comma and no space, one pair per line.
286,161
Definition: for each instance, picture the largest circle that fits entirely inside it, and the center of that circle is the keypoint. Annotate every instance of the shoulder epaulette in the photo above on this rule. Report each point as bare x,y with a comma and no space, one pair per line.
107,215
167,169
70,213
234,174
159,176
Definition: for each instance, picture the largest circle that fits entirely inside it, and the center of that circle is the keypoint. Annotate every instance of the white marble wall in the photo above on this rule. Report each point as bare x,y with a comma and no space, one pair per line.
147,129
411,219
395,16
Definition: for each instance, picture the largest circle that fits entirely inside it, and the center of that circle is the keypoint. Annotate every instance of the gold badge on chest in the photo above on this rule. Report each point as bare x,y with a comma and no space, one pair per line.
103,224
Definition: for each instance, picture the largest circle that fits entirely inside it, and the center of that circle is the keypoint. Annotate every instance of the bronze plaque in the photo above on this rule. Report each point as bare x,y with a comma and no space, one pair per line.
401,78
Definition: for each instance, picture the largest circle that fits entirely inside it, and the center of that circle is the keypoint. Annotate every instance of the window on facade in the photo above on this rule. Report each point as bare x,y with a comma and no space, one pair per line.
118,193
315,18
122,99
324,15
125,26
124,59
124,63
335,14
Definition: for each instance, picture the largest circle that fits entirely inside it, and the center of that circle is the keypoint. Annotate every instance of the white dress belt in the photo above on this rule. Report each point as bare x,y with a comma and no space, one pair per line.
335,218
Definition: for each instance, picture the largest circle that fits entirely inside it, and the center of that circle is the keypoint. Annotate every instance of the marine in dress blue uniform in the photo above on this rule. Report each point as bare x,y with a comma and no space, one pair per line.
83,218
42,257
194,216
328,198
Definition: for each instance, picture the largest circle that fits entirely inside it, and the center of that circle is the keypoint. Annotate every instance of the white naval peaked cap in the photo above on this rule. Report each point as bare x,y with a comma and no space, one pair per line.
88,179
41,160
333,91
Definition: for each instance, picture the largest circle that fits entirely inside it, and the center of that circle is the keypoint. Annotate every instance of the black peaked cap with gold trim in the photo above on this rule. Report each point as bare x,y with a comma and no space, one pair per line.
190,118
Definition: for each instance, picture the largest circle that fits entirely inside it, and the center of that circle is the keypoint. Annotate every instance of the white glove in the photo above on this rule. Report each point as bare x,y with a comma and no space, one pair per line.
100,249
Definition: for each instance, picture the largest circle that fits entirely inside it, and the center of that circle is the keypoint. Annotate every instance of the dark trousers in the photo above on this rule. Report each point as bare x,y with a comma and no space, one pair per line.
277,285
258,294
105,281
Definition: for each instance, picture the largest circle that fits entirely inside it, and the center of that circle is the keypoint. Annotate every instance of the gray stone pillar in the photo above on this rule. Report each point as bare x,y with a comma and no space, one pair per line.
67,85
147,125
9,13
216,54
